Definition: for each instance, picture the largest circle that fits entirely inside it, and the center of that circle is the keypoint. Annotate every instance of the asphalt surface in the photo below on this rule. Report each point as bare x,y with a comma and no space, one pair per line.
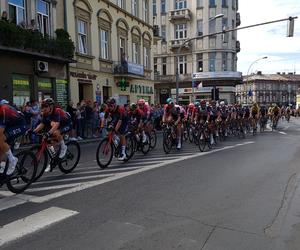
243,194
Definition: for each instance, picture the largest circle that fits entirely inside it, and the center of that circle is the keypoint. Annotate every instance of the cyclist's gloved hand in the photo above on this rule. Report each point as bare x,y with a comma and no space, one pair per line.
46,135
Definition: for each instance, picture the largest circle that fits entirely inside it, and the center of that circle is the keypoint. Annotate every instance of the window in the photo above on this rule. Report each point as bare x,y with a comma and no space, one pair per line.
155,65
224,3
121,3
134,7
199,3
163,6
233,4
82,36
135,53
180,4
154,8
163,32
180,31
43,15
212,26
224,27
147,57
164,66
104,44
122,47
200,62
233,62
224,61
212,3
199,27
145,11
182,65
212,61
16,11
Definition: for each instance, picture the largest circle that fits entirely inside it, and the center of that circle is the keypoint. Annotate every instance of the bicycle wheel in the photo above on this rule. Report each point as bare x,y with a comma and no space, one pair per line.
201,141
167,142
42,161
145,147
24,174
69,163
153,139
105,152
191,134
129,148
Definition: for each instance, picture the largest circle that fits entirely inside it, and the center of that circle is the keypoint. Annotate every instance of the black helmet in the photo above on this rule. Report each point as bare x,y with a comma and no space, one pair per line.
133,106
47,102
111,101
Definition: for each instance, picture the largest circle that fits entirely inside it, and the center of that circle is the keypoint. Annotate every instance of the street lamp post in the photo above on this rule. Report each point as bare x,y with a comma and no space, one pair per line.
265,57
179,51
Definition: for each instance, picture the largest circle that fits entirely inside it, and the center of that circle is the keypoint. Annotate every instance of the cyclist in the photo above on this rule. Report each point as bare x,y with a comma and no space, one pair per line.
118,123
254,115
146,119
275,113
135,116
172,113
56,122
12,125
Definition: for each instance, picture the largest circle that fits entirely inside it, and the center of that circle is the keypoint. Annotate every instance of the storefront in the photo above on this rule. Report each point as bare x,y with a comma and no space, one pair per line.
26,76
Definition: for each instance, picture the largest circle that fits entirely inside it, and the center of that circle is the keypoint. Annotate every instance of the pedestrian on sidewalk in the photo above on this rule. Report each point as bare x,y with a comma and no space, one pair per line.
72,111
78,122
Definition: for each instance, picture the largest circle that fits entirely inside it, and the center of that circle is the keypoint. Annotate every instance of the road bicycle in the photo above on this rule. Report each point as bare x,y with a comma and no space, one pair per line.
110,146
48,153
204,137
24,173
170,137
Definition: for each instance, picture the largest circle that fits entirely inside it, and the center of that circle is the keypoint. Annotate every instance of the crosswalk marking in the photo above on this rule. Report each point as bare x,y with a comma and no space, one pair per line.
33,223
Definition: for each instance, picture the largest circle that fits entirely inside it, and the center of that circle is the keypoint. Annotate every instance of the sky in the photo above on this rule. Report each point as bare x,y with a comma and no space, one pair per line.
269,40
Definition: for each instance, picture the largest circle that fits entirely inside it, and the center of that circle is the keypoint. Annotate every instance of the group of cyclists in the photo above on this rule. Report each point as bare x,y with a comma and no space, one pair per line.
55,122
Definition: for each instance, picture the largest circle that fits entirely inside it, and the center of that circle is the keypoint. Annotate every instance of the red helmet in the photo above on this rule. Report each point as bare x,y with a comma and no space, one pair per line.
191,105
141,102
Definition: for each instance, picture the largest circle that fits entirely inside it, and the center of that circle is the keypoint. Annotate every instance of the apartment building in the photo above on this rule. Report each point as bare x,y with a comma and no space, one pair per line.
29,67
266,89
210,60
113,42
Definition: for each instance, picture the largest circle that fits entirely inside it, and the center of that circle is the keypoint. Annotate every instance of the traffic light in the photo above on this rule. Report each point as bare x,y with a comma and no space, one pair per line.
122,84
290,27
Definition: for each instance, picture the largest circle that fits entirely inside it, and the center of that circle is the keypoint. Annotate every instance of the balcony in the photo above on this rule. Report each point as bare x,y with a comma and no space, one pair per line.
238,46
238,19
33,42
128,69
182,15
175,44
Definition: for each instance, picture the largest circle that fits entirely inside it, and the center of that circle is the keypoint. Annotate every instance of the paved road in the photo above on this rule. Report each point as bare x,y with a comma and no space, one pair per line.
243,194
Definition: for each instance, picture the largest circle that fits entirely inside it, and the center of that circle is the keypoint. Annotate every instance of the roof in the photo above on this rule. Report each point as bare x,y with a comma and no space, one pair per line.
272,77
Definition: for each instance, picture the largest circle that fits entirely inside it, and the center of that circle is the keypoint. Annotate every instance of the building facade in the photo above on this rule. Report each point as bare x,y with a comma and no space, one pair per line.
266,89
211,60
113,41
29,69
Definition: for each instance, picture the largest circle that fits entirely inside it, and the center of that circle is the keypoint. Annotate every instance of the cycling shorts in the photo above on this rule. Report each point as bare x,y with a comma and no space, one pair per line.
66,127
14,132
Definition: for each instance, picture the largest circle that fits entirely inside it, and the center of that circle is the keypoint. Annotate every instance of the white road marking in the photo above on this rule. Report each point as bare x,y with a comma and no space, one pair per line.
6,193
33,223
14,200
123,175
33,189
75,179
283,133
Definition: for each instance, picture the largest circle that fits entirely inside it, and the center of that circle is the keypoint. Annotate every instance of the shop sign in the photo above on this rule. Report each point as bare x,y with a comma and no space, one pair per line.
44,84
140,89
136,69
83,75
21,89
62,92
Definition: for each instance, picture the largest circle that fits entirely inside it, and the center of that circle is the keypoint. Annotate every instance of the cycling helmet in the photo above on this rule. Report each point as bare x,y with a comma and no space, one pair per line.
133,106
111,101
141,102
203,103
3,101
170,101
47,102
197,104
222,103
191,105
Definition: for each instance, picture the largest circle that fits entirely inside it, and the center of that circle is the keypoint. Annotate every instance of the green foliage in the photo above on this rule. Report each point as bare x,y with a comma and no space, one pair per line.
17,37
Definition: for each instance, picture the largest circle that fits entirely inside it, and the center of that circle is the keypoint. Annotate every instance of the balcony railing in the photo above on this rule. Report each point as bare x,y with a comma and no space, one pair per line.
124,68
175,44
16,37
183,14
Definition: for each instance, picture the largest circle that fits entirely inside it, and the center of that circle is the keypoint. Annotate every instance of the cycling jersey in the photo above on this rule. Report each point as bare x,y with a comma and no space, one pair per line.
172,111
135,116
12,121
58,115
146,111
118,114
